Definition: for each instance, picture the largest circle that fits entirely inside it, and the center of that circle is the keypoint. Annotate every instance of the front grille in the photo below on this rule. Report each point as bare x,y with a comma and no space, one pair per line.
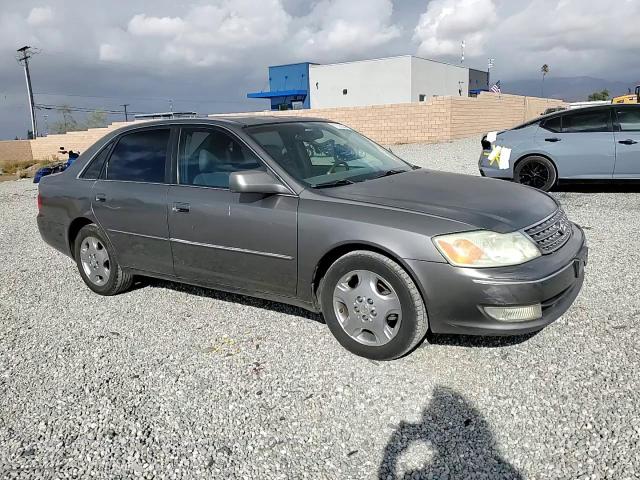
552,233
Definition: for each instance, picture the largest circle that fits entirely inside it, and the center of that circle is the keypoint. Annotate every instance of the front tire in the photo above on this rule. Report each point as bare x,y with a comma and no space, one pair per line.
97,264
537,172
372,306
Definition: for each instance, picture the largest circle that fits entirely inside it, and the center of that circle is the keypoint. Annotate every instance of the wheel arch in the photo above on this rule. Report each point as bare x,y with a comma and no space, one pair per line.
72,232
536,154
337,251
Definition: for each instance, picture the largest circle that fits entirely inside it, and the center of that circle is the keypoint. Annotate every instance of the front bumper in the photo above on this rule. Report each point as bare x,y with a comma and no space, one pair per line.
455,296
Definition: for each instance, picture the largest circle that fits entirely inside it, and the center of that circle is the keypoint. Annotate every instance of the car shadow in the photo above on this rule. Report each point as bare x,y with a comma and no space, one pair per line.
597,187
477,341
143,282
459,440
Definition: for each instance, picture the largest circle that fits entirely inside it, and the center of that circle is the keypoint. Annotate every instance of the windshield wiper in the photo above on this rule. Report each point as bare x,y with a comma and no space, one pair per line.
393,171
335,183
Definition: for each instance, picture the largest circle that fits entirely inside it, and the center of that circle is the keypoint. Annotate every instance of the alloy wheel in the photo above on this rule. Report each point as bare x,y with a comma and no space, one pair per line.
534,174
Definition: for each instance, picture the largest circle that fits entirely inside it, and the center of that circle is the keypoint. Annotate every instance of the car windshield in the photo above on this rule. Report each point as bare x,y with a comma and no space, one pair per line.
322,154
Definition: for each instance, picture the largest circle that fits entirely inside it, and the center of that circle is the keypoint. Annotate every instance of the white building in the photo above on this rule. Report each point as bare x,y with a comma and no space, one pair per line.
402,79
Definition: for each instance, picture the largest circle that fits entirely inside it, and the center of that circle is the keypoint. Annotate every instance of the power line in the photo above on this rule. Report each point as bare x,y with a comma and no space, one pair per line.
41,106
25,54
192,100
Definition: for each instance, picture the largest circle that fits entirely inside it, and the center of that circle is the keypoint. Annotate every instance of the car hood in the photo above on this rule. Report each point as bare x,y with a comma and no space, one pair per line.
479,202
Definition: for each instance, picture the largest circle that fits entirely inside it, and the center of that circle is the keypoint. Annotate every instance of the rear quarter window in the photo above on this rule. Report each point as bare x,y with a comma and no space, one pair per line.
552,124
92,172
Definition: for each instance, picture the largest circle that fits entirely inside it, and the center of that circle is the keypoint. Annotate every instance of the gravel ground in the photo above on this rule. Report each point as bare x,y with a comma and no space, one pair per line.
168,381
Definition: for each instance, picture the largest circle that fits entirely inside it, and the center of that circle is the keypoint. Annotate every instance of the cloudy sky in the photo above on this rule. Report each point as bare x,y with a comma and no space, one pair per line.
206,55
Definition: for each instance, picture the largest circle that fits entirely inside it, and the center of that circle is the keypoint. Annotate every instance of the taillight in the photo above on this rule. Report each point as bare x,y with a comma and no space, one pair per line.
39,201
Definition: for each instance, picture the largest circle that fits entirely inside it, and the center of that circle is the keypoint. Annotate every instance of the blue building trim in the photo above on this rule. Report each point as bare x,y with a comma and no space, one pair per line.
287,84
281,93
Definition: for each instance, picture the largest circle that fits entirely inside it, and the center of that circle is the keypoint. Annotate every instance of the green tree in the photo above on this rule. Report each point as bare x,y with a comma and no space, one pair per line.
67,123
97,119
601,95
545,71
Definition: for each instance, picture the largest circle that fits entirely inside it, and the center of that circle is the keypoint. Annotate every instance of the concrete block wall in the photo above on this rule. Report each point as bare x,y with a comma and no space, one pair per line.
46,148
15,151
439,119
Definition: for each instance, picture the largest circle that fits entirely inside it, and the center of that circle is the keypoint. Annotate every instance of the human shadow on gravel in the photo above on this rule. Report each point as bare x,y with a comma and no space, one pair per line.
277,307
459,438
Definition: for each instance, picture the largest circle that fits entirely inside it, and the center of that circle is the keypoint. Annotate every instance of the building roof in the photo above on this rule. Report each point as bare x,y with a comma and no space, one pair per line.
397,56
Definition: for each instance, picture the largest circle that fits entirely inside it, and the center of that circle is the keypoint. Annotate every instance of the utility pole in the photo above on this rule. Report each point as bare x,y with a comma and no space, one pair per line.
126,117
490,63
23,59
462,52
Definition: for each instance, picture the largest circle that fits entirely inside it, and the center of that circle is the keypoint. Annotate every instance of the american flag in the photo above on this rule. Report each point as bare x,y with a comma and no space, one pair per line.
496,87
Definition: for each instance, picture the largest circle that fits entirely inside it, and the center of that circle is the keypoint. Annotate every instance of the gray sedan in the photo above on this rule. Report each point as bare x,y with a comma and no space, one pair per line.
313,214
593,143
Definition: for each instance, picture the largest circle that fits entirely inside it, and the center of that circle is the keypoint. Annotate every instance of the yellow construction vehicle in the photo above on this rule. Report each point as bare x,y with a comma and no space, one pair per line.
631,98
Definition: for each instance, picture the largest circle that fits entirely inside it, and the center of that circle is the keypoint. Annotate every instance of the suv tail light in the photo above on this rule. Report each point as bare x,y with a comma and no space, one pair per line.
39,201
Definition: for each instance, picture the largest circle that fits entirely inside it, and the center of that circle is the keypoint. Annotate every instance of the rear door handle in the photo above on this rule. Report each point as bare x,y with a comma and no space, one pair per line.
552,139
628,141
101,197
180,207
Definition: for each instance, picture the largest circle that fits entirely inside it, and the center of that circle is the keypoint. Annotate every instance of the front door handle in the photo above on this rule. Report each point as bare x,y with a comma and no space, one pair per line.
552,139
180,207
101,197
628,141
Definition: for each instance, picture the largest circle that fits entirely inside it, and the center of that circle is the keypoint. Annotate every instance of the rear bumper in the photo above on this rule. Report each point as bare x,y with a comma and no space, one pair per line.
455,297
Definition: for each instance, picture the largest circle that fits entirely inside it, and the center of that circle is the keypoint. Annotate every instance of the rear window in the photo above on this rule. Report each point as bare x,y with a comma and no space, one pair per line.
590,121
140,157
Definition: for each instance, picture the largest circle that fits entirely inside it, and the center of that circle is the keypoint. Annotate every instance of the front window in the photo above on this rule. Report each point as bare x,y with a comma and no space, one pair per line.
206,158
325,154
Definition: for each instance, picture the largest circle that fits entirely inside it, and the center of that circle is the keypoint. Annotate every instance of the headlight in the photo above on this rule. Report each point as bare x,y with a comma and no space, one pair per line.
484,248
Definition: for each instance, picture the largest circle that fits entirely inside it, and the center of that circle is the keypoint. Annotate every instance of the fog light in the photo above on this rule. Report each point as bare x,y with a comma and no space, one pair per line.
515,314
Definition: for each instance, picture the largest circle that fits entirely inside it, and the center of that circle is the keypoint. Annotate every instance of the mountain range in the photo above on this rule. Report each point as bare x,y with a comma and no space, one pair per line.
572,89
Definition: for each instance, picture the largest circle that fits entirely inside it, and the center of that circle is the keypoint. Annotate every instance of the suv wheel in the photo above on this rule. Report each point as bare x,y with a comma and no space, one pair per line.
372,306
97,264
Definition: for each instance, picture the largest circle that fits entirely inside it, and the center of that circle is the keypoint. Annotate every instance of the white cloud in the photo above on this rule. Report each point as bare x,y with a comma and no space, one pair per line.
39,16
343,27
155,26
446,23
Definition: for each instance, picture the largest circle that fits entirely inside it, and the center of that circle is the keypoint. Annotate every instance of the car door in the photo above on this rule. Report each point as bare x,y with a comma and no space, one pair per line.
245,241
627,136
129,200
580,143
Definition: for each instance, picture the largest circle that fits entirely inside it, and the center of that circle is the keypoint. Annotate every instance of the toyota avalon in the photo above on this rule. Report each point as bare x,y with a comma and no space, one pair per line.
311,213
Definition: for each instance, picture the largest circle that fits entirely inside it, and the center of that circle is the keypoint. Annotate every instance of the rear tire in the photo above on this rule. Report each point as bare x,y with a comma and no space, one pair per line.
372,306
97,263
537,172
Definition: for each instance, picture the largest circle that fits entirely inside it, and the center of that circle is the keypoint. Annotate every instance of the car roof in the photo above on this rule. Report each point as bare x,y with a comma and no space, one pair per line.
588,109
228,119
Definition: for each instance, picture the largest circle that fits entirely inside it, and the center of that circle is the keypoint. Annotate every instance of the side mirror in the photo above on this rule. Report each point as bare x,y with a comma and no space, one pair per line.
255,181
